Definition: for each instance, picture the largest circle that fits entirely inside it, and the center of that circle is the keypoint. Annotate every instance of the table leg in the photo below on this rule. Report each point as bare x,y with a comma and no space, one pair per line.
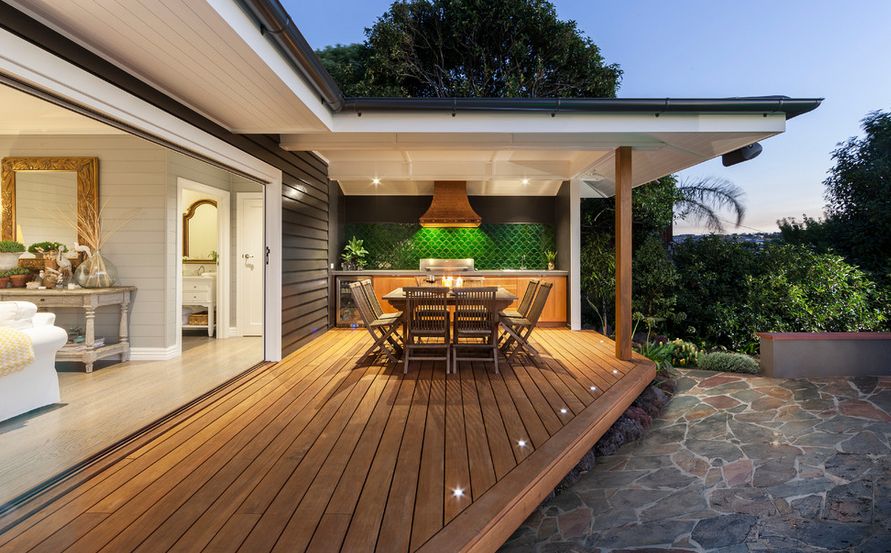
89,338
124,331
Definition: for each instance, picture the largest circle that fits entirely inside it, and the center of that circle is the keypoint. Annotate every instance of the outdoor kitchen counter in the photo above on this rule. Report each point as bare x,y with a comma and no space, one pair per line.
494,272
554,313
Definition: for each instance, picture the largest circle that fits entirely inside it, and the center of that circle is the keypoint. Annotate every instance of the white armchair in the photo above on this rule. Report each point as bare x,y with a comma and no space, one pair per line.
37,385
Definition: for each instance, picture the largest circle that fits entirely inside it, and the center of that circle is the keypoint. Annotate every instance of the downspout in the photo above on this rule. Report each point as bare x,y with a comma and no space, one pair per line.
275,21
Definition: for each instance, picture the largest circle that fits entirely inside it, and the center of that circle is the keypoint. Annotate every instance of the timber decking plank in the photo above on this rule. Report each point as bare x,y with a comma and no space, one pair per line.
457,464
503,459
395,531
513,422
482,469
428,512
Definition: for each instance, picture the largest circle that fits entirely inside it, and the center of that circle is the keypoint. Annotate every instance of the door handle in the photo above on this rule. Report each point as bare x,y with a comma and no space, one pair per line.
247,256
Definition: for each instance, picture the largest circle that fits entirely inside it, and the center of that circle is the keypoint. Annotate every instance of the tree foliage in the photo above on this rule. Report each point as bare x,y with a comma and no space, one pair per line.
472,48
858,196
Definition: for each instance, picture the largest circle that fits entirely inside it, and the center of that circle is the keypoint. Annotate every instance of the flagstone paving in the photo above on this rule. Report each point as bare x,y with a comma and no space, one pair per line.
734,464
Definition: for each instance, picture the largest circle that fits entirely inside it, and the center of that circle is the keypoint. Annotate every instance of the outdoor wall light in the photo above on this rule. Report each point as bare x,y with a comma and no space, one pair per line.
741,154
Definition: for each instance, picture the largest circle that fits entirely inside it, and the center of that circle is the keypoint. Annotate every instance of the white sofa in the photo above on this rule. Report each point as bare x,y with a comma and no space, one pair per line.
37,385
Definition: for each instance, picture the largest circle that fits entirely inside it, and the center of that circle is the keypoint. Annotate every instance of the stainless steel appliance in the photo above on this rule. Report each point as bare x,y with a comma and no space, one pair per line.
446,266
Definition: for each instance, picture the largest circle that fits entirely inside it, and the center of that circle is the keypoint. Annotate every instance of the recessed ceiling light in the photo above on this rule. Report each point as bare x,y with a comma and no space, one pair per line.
375,181
525,182
458,492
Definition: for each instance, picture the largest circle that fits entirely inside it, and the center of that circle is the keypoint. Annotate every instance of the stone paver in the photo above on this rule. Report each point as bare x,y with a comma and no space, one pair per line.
735,464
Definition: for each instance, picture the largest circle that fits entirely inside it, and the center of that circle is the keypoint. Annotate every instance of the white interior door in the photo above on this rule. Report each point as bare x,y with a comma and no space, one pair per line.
250,260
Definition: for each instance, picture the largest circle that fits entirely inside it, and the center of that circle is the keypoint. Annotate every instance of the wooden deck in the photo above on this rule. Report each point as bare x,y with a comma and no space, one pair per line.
321,453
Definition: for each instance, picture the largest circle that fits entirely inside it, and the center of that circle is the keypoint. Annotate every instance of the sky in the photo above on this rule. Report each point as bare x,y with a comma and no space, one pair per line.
837,50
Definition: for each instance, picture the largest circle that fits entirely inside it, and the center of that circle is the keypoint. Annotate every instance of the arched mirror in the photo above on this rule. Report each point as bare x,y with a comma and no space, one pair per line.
200,232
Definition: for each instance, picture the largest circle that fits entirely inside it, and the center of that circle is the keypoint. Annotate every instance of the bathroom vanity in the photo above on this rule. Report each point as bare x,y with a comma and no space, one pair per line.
200,291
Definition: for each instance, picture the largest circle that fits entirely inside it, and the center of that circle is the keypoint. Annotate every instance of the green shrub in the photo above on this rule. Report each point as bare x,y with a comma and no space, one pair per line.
17,271
11,246
728,362
684,354
657,352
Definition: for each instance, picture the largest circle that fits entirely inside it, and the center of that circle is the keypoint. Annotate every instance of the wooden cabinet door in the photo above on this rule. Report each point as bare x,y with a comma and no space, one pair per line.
385,284
555,308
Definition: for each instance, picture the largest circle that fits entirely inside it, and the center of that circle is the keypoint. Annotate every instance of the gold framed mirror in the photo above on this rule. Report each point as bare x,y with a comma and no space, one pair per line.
26,182
200,233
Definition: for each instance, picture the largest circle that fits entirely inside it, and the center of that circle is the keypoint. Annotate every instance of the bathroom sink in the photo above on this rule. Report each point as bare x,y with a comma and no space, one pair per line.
208,275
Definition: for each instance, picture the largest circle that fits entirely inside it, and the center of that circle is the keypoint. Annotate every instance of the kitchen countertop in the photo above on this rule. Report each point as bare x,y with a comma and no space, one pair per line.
482,273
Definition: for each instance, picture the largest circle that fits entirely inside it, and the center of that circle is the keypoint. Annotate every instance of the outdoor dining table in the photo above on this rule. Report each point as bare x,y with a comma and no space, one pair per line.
396,298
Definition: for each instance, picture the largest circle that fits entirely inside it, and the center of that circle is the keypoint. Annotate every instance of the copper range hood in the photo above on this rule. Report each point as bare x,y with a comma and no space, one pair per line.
450,207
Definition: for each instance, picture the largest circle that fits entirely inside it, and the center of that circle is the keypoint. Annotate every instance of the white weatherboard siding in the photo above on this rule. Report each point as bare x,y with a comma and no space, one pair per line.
137,184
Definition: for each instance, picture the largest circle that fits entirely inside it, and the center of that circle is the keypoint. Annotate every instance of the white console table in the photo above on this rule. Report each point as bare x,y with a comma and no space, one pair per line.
87,299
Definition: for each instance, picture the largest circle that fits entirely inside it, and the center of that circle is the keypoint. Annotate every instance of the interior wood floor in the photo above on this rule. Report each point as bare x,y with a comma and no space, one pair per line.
104,406
326,452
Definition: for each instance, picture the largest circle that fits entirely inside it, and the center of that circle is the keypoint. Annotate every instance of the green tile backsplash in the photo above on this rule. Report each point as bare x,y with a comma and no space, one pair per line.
401,245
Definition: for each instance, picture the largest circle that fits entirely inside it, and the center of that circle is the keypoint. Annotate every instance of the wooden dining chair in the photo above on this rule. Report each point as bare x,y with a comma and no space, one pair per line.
523,309
427,323
382,330
519,329
476,324
376,308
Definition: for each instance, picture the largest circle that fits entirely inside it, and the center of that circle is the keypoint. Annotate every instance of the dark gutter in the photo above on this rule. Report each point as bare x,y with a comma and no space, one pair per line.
762,104
275,21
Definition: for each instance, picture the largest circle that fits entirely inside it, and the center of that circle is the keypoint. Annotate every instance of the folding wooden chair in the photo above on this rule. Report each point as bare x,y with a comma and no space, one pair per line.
518,329
476,323
428,325
376,308
523,309
383,331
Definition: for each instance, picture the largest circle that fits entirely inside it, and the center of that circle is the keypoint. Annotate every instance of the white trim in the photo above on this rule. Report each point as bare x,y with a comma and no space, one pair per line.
155,354
233,332
224,222
240,198
575,254
272,329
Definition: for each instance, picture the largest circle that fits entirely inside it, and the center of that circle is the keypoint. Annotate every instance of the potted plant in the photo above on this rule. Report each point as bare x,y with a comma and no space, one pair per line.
10,251
552,258
353,256
4,281
43,250
19,276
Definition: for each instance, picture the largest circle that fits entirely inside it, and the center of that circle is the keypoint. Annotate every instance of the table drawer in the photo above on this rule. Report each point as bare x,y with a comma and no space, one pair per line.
200,297
52,301
195,287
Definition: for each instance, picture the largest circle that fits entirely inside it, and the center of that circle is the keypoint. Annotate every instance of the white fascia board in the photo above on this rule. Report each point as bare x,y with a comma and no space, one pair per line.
538,122
247,30
30,64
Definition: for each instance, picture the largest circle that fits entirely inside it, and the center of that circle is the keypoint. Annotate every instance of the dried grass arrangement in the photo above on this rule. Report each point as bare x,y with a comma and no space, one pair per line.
95,271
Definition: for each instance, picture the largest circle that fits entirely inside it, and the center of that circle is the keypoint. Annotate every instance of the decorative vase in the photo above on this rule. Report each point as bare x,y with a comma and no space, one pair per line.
96,272
550,266
9,260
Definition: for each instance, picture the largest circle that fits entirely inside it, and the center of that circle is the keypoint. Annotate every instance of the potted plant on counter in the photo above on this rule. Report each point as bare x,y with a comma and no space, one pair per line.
43,250
551,256
353,256
10,251
19,276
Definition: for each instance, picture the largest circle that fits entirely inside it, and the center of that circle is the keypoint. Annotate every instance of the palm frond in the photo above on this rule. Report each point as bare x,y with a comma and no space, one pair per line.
701,200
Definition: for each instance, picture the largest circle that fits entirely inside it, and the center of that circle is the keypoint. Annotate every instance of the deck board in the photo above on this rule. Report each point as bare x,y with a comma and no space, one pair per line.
325,452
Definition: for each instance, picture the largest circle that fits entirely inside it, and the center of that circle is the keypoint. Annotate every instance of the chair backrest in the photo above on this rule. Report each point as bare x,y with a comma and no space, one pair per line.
475,308
427,308
375,305
541,297
357,290
526,301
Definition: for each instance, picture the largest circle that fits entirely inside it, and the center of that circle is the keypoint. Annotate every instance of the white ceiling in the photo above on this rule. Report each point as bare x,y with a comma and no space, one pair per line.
22,113
217,64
